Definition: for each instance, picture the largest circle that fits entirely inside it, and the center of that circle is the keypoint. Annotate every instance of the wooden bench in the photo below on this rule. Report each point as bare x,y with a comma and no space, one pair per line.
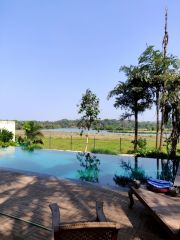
165,209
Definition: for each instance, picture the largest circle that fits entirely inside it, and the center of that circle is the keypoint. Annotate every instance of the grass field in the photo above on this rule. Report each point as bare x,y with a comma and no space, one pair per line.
110,142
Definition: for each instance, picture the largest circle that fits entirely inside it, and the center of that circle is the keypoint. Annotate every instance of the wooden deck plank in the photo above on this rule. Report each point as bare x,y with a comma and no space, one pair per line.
28,197
165,207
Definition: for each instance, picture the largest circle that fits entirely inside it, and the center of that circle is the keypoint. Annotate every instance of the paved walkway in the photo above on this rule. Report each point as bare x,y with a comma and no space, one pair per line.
28,197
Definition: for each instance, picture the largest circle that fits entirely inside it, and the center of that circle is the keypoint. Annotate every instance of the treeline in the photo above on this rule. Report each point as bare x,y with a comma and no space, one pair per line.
105,124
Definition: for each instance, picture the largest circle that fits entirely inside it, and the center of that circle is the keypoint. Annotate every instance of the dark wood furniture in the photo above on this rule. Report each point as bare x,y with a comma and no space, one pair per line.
164,208
177,179
99,229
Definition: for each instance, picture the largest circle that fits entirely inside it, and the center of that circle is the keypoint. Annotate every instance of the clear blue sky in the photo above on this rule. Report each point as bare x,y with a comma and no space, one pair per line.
51,51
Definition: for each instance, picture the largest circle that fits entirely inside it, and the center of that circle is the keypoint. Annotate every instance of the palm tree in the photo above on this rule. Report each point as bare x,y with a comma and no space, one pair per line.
171,102
33,136
155,65
32,132
133,96
151,61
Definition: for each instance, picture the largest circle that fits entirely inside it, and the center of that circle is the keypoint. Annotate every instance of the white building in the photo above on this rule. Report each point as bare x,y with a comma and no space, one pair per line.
8,125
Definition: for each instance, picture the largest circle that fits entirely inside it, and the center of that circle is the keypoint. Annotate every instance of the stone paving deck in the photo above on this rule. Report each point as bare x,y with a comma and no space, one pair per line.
28,197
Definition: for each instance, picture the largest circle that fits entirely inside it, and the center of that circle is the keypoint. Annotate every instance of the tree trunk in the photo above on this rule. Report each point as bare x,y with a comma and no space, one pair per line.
173,148
136,131
162,129
157,118
174,137
87,141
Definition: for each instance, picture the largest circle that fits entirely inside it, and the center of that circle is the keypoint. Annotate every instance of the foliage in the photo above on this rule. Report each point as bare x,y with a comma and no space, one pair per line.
32,132
133,95
28,145
90,165
141,144
89,108
103,151
104,124
7,144
5,136
151,153
171,101
33,136
156,65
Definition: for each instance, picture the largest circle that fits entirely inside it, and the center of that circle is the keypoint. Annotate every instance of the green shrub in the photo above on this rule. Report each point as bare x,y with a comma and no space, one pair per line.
152,153
103,151
5,136
142,143
7,144
27,144
31,147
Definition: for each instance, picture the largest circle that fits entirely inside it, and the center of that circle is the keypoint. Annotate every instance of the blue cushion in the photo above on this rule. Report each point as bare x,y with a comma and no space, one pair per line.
156,183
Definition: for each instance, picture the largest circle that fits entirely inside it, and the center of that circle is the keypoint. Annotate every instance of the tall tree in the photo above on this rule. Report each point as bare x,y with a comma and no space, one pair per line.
164,44
155,65
151,61
133,95
89,108
171,102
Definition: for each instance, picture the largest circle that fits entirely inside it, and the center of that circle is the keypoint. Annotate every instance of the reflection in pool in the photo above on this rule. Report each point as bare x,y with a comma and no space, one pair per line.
89,167
167,172
95,168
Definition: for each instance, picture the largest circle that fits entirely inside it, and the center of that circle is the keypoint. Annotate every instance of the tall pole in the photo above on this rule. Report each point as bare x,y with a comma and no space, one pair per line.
164,45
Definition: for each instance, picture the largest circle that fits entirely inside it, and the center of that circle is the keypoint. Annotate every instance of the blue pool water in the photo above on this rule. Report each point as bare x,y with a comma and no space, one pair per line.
66,164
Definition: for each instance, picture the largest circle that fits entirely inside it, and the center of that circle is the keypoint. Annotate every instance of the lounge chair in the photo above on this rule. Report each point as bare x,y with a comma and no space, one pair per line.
99,229
164,208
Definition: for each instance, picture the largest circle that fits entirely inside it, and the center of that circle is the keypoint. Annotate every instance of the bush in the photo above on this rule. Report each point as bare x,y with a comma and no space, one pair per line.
31,147
27,144
152,153
7,144
103,151
5,136
142,143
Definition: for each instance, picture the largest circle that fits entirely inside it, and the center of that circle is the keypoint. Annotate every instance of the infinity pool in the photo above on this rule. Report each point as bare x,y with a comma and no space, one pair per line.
72,165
